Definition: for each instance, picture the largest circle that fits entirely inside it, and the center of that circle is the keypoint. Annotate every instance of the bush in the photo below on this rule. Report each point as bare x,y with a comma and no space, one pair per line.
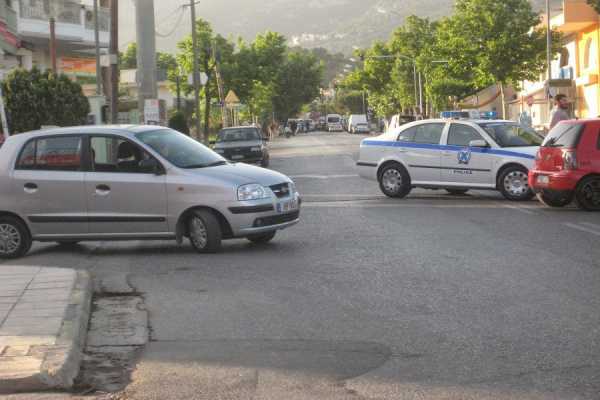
179,123
35,98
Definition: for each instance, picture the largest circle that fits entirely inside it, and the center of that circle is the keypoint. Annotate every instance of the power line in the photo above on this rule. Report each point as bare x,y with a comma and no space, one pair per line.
175,26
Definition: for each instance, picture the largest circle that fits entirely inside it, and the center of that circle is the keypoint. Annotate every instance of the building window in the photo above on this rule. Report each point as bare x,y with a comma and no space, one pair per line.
564,57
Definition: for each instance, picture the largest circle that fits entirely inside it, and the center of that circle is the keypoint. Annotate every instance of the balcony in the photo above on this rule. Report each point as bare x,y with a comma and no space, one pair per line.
74,22
576,16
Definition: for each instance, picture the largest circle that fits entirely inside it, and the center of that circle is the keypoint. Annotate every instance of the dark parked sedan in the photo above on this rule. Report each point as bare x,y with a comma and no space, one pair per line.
243,144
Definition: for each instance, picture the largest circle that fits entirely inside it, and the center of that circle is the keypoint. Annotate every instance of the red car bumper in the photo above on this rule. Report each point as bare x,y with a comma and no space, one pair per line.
561,181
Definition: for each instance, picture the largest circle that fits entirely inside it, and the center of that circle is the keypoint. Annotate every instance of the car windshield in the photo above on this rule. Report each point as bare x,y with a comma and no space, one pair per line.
564,135
180,150
333,120
512,135
238,135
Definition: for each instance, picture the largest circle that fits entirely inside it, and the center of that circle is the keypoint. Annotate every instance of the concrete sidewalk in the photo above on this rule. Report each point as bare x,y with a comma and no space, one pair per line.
43,320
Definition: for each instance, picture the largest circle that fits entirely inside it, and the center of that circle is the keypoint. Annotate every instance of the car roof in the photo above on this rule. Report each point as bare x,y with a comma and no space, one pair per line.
91,129
239,127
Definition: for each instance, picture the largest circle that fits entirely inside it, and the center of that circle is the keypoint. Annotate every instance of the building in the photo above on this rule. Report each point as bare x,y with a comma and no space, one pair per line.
75,41
574,72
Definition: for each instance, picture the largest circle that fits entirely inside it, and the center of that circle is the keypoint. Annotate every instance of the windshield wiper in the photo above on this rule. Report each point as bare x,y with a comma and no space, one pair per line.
213,164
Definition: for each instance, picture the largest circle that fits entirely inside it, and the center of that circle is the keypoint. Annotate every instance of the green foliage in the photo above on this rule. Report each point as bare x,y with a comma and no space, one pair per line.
266,75
128,59
179,123
35,98
595,5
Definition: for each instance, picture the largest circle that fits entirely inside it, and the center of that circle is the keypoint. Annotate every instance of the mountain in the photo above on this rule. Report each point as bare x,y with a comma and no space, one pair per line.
338,25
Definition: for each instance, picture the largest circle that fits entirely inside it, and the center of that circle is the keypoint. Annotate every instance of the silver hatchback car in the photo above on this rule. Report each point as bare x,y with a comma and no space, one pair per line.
130,183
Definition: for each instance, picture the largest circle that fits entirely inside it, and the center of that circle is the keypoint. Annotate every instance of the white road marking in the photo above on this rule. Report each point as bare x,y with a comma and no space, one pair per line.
520,209
589,225
582,228
323,177
367,204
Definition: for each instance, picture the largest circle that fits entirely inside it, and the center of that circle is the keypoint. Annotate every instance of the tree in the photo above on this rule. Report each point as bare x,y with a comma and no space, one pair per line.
595,4
497,40
179,123
54,99
128,59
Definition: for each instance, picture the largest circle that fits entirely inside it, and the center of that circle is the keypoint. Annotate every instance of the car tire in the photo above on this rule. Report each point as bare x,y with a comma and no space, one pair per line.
205,232
513,184
15,240
587,194
457,192
394,181
555,200
262,238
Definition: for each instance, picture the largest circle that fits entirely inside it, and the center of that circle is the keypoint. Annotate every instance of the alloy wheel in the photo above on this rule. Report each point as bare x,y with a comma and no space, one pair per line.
10,239
392,180
198,232
516,183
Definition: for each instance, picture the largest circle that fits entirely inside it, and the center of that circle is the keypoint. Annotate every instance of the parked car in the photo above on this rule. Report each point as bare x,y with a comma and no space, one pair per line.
362,127
398,120
243,144
354,120
567,166
334,123
452,155
130,183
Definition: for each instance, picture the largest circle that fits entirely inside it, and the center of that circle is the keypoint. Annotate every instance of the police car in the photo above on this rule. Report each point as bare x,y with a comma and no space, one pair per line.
456,155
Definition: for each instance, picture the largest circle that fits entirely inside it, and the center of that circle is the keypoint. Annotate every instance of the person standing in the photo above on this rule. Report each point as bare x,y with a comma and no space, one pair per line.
560,112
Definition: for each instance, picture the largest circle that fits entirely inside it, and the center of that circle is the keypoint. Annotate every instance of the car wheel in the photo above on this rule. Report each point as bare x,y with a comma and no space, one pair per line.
513,184
556,200
205,232
15,240
394,181
262,238
587,194
457,192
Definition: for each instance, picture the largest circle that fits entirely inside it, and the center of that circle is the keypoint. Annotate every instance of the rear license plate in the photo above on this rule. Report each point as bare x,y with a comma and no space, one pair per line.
543,179
237,157
287,206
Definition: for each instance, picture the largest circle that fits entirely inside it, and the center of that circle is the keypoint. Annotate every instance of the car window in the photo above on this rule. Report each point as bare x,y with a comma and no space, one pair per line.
179,149
429,133
598,143
113,154
238,135
407,135
461,135
512,135
61,153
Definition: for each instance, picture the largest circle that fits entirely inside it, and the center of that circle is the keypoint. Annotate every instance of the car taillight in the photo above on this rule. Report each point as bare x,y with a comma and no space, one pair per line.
569,160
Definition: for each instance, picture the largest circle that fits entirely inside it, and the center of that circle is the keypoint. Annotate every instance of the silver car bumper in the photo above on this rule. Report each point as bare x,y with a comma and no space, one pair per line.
249,218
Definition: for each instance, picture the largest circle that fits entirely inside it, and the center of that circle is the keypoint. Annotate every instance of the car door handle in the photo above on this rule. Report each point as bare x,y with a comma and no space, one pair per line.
102,190
401,150
30,187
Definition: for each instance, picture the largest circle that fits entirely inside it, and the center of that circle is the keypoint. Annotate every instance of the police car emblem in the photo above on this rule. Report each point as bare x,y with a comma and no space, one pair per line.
464,156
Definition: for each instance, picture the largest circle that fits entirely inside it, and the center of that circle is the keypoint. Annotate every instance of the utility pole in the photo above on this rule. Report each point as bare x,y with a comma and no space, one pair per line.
548,48
220,87
97,44
53,42
146,53
196,72
420,95
114,61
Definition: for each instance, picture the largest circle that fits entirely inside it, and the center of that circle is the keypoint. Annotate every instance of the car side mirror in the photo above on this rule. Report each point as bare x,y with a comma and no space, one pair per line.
151,166
478,143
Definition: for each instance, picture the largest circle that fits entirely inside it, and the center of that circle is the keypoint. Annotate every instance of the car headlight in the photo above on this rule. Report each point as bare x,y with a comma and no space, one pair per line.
256,149
252,191
293,188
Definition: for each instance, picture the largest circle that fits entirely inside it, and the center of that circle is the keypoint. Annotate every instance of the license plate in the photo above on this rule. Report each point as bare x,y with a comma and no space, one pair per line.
287,206
237,157
543,180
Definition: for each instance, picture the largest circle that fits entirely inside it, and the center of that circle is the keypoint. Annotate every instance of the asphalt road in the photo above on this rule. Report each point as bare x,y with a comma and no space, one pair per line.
430,297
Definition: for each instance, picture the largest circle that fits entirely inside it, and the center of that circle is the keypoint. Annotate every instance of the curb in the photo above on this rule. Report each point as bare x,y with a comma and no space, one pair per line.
61,361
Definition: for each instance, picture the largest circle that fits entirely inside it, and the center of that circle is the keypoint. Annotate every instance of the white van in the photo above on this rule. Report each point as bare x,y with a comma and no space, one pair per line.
354,120
334,123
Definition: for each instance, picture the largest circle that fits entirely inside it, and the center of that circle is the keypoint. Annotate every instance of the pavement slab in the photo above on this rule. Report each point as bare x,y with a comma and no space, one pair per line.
43,320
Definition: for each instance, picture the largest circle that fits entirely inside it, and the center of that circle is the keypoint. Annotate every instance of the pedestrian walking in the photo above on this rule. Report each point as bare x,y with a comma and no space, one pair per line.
560,112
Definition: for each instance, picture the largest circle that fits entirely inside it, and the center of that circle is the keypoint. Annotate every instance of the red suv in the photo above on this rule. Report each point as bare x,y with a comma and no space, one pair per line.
567,166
